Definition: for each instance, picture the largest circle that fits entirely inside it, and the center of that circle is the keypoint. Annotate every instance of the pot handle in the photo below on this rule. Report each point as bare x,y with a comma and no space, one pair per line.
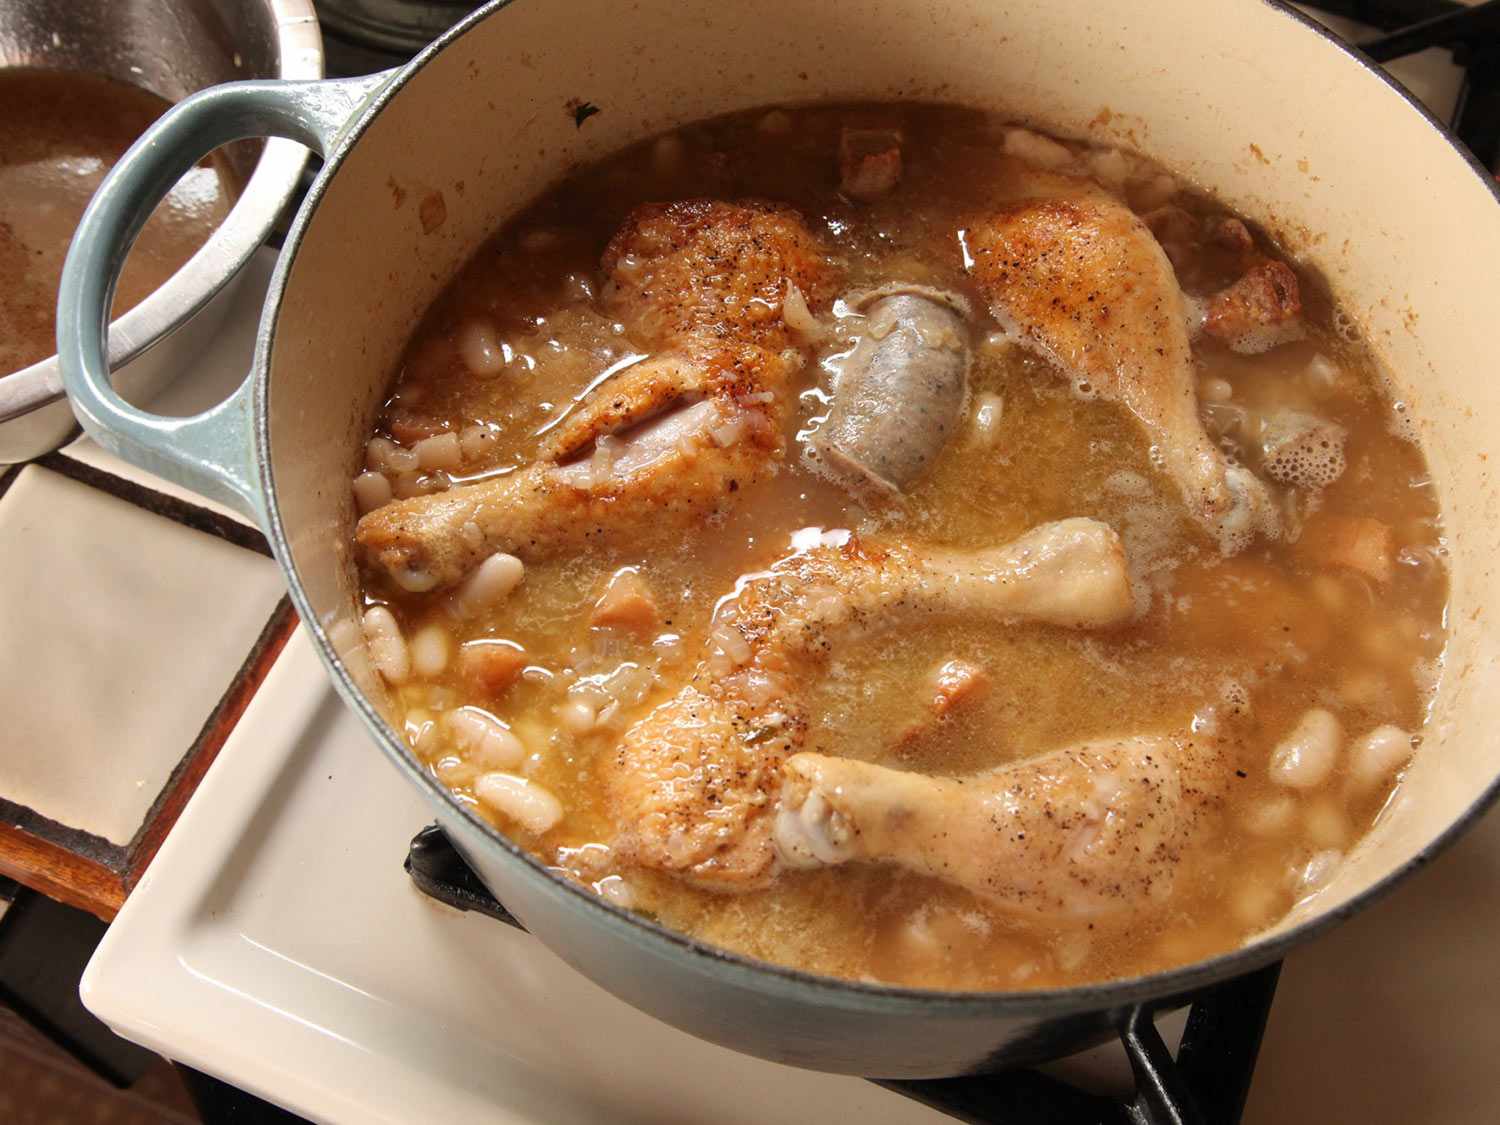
213,452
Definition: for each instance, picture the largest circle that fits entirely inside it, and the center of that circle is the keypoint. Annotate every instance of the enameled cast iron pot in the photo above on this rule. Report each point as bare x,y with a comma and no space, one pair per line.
1246,98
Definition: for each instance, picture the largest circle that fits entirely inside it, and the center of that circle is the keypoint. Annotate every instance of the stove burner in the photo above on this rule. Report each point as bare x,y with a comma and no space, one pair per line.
1206,1082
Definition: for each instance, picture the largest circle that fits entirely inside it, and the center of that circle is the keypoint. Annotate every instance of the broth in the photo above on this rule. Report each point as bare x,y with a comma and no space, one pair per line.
1341,614
60,133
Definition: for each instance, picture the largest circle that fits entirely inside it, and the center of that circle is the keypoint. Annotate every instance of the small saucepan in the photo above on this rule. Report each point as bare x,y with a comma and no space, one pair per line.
172,48
1245,98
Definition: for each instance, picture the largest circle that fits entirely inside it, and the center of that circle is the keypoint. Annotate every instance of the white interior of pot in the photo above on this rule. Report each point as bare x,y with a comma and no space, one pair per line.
174,48
1235,96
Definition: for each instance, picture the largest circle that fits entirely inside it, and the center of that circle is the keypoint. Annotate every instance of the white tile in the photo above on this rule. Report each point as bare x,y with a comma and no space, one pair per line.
121,631
216,372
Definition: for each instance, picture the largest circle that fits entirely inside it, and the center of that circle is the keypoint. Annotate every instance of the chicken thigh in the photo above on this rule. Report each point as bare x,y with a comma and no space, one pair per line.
1077,276
701,285
692,786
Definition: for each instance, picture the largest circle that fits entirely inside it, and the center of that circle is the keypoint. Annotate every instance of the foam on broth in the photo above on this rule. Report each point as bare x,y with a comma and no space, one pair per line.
1250,642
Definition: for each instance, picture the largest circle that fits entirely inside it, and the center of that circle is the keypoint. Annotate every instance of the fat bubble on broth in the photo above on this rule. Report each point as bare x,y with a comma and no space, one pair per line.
887,541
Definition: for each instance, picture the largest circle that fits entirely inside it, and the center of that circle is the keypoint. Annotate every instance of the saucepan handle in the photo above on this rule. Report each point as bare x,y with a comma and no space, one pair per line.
213,452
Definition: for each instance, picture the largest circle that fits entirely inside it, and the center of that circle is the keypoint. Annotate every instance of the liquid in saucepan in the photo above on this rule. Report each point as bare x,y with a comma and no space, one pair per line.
895,543
60,132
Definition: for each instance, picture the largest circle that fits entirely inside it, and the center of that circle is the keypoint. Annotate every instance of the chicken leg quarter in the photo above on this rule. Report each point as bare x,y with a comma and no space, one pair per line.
1077,276
692,785
700,285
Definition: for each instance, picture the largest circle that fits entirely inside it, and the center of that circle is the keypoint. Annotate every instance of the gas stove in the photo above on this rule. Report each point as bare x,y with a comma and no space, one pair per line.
294,938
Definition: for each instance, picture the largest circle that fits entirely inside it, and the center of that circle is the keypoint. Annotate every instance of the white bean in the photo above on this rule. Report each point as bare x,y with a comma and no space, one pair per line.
527,803
1269,817
1363,688
484,739
776,123
577,715
1254,903
1215,389
1327,826
669,647
1322,374
386,644
1110,165
667,154
536,241
414,581
480,348
384,455
1379,754
1072,950
988,411
1383,643
999,343
371,490
430,649
419,730
1154,192
1305,757
1316,873
628,684
1035,149
453,770
441,451
491,583
476,442
612,888
409,484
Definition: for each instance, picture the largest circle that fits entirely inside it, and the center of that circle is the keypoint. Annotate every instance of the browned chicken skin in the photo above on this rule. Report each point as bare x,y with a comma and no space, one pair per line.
700,284
1258,311
1082,831
692,786
1077,276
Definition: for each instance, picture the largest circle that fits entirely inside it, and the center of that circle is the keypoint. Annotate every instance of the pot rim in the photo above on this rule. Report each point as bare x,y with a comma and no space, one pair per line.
219,260
766,976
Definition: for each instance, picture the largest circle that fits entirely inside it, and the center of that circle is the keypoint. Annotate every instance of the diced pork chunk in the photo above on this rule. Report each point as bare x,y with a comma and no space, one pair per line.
1231,234
626,604
492,665
1259,311
869,162
957,683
